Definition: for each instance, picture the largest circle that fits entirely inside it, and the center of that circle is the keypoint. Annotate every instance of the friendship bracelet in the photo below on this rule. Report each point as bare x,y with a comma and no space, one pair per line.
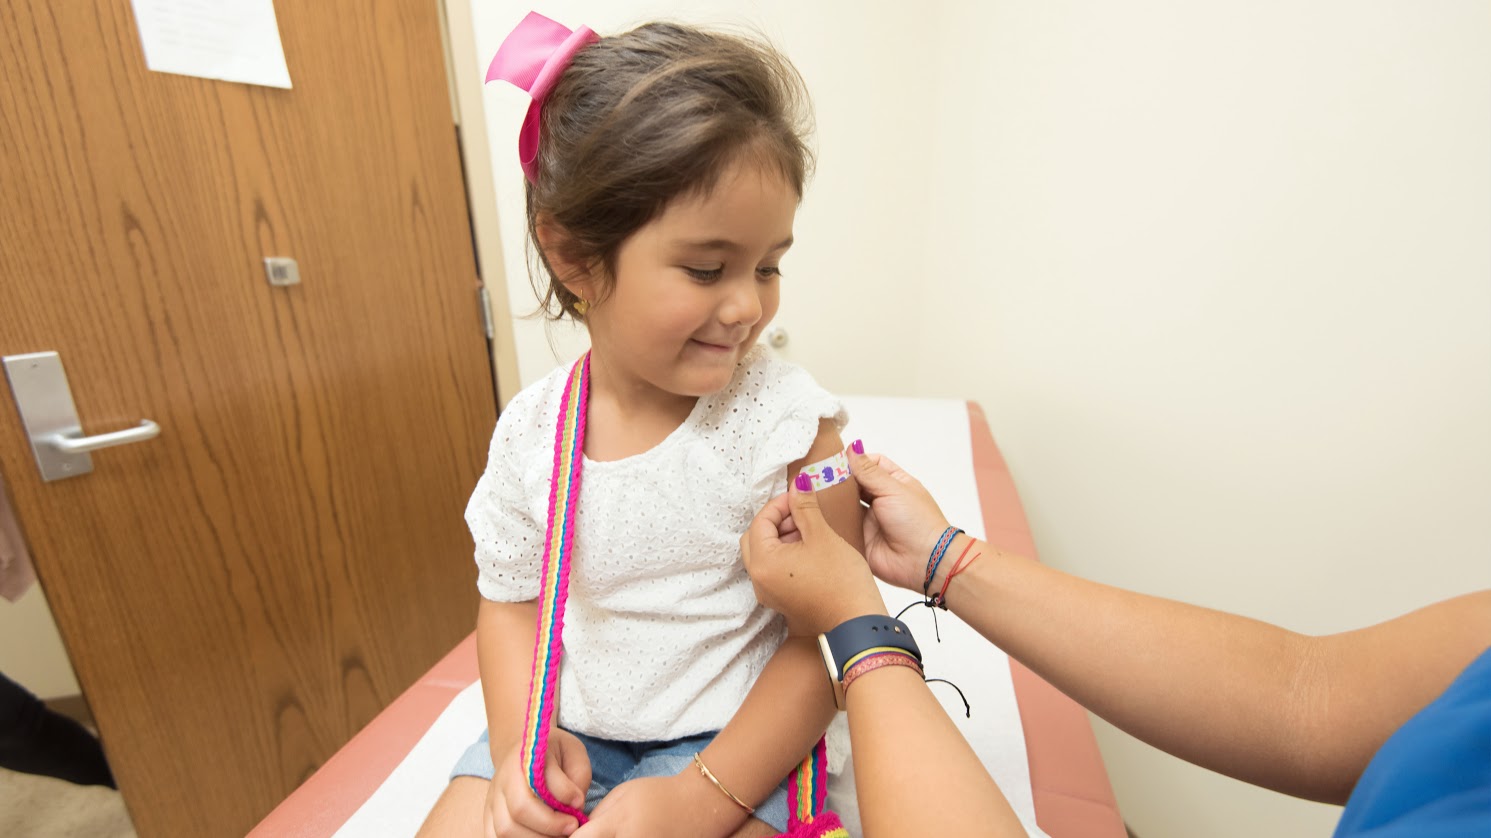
958,567
870,664
708,775
877,650
943,542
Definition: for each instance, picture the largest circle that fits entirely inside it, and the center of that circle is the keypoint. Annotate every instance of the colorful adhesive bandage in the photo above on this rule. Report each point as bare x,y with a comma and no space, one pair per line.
829,472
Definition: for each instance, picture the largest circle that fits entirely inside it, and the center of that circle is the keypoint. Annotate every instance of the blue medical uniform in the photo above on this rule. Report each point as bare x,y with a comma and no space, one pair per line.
1432,778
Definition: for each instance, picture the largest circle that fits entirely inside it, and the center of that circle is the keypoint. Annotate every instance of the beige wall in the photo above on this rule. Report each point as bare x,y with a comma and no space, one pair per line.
31,652
1220,273
1228,270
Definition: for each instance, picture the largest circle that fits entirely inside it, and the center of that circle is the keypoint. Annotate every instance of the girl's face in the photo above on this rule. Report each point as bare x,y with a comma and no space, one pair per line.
695,287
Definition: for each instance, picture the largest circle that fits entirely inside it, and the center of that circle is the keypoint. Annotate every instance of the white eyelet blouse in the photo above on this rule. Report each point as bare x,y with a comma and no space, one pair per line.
663,636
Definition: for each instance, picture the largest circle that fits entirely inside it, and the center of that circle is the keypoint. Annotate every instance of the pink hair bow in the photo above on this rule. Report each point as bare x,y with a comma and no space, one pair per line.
532,58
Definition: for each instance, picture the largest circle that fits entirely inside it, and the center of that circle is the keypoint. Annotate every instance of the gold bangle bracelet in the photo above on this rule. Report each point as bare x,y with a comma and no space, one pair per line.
708,775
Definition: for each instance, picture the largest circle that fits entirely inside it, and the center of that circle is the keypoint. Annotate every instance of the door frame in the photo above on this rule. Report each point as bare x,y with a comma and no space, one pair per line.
469,113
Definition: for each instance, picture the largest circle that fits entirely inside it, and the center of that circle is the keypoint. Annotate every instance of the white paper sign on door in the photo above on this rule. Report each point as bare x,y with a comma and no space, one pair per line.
231,40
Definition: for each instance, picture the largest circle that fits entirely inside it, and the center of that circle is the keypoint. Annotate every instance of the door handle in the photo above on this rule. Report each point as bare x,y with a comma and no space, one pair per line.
51,418
83,444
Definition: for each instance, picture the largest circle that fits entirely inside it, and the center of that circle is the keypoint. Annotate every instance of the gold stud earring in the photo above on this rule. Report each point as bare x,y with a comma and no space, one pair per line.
581,306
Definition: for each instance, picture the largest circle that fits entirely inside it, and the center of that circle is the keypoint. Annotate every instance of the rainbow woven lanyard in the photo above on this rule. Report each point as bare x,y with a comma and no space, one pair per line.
559,546
808,791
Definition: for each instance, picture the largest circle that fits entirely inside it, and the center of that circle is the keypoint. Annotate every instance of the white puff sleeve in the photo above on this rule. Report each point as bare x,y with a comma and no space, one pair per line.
791,404
509,541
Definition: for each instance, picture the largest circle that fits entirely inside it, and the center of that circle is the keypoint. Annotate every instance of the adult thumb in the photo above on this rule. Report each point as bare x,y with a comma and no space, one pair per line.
806,513
874,480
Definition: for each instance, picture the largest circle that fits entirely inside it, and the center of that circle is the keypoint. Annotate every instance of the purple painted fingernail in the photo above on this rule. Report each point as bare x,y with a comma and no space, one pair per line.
858,445
804,483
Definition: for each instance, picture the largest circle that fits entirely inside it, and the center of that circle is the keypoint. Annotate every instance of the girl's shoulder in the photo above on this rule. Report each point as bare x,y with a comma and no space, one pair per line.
529,417
543,392
763,389
767,417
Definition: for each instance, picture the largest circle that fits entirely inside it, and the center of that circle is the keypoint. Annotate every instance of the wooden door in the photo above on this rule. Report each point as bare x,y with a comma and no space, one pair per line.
239,595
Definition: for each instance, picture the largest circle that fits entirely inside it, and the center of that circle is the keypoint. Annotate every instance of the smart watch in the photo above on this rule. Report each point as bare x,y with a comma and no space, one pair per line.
852,638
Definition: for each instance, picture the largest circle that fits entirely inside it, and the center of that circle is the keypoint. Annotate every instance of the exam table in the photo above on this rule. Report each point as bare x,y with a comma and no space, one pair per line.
1037,743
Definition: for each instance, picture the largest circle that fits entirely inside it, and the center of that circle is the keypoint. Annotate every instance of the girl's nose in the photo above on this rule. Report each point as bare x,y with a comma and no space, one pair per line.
742,306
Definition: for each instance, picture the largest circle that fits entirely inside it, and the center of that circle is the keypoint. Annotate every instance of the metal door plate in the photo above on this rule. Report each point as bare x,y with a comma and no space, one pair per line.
45,402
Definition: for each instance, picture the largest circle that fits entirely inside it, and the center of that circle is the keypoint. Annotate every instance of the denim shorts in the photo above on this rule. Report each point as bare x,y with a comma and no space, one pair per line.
613,763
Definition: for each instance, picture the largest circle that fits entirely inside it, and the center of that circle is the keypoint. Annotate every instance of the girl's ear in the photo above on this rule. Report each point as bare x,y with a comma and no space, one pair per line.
553,244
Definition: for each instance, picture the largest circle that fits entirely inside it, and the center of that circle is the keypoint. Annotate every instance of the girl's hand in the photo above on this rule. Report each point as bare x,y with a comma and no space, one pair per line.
680,806
512,809
803,570
903,523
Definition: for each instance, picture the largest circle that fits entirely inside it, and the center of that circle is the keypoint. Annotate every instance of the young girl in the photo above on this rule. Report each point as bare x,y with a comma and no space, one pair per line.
664,170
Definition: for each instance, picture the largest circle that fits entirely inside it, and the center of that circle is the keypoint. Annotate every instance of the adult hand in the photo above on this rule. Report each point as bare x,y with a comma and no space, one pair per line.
512,809
903,523
801,568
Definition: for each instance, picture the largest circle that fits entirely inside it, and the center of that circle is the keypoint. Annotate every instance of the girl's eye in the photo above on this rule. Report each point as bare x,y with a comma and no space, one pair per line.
769,271
705,274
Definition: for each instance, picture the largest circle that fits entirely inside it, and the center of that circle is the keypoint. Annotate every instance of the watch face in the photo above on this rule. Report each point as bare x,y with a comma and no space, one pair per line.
831,667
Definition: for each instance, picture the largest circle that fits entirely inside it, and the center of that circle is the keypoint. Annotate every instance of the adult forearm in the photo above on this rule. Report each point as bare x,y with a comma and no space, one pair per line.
777,725
504,651
1226,692
914,772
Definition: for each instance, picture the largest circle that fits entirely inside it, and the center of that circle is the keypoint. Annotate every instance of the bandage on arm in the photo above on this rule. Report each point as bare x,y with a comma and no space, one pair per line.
828,472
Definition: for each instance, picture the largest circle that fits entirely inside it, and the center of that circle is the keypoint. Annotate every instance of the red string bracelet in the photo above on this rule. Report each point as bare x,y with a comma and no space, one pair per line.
936,600
956,564
941,599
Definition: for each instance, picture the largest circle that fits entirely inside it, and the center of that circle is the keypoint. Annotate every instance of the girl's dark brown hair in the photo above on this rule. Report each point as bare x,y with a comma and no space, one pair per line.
642,118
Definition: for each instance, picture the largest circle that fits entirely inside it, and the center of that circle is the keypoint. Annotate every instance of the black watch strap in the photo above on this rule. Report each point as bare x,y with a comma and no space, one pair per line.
868,632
